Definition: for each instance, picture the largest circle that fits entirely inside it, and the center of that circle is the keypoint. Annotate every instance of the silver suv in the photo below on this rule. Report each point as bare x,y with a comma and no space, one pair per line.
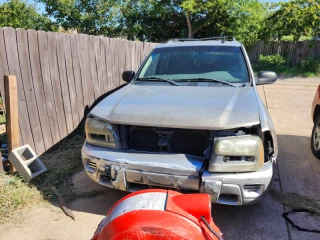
191,120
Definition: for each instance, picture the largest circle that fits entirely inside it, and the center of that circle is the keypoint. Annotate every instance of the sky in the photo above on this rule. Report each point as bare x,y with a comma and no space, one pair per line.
41,7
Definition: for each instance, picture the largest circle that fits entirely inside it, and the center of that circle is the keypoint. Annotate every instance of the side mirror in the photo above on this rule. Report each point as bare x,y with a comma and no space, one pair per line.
127,76
266,77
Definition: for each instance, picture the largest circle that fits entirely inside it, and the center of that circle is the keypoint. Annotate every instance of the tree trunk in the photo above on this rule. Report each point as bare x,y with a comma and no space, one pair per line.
190,34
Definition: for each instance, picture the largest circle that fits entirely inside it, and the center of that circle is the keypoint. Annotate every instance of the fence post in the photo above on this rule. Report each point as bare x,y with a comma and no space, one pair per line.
12,116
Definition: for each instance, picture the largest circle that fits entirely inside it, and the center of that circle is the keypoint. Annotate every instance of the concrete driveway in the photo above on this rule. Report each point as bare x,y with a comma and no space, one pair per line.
289,102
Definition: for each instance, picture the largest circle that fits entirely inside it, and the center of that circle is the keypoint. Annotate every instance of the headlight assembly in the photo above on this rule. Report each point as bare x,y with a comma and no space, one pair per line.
237,154
101,133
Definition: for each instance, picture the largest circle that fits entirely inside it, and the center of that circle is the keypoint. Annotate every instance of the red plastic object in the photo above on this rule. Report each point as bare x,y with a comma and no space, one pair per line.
158,215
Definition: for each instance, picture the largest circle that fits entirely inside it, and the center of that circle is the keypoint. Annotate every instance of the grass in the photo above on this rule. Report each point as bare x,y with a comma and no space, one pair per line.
17,196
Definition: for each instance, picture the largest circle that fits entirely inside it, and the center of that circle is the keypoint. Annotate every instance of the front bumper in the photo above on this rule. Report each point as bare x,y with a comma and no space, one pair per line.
132,171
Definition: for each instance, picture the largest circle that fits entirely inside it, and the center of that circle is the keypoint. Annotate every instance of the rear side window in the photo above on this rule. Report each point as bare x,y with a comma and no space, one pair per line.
178,63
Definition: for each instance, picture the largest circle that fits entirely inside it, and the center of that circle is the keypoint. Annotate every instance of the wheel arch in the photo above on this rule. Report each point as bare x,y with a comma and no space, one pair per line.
316,112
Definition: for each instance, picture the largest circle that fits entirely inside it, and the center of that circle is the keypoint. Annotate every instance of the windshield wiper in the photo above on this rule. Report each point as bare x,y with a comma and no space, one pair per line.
207,80
159,79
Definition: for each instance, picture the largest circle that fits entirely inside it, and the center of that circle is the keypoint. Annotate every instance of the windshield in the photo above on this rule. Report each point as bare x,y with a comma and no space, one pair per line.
193,62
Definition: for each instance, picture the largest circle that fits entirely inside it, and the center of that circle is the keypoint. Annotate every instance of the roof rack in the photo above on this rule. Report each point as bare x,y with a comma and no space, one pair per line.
222,38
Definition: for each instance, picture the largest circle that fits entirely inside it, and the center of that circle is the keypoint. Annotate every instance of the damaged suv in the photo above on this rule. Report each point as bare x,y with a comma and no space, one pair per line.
191,120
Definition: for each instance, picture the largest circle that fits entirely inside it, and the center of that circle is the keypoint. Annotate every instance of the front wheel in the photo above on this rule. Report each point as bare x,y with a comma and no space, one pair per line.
315,138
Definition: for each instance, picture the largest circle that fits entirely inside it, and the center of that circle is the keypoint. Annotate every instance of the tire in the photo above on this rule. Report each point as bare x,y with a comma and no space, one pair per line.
315,138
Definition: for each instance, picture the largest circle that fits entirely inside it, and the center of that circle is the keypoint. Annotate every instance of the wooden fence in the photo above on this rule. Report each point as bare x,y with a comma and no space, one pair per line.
58,75
293,53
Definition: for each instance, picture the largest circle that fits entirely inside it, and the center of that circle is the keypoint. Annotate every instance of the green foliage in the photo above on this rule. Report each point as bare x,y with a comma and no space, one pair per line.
94,17
154,20
19,14
290,38
241,19
271,61
296,18
247,20
311,65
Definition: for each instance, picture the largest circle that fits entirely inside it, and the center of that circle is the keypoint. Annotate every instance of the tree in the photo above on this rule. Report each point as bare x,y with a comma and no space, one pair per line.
19,14
246,20
203,13
160,20
242,19
297,18
96,17
151,20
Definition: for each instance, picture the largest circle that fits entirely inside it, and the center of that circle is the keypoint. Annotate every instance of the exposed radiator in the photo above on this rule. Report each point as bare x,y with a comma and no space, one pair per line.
151,139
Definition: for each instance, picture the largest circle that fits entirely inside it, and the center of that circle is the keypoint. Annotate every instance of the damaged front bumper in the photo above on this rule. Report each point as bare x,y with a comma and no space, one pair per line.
132,171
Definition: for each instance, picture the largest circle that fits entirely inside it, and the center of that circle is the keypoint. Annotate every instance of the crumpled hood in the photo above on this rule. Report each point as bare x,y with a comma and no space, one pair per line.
189,107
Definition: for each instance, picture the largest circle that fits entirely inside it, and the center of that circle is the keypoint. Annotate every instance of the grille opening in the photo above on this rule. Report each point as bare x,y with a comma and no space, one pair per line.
91,166
151,139
230,199
143,139
251,187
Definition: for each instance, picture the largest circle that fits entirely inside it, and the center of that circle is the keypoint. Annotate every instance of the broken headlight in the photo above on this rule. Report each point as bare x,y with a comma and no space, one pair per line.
101,133
237,154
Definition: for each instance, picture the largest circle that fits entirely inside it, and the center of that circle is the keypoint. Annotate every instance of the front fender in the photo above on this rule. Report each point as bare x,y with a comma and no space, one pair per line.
266,122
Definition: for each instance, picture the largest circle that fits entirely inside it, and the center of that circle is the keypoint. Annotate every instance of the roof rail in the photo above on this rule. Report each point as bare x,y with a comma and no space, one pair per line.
222,38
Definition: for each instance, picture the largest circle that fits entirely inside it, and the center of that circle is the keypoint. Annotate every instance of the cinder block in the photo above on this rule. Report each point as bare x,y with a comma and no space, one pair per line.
26,161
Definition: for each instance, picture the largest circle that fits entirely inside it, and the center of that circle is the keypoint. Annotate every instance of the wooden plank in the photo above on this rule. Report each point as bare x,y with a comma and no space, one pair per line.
14,69
104,76
121,61
133,56
39,89
116,47
4,70
317,49
64,82
83,40
95,62
27,83
128,56
77,73
112,60
12,114
108,55
90,82
56,84
47,85
71,81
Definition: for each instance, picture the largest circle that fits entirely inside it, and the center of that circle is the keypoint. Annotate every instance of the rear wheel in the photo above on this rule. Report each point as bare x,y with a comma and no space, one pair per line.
315,138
